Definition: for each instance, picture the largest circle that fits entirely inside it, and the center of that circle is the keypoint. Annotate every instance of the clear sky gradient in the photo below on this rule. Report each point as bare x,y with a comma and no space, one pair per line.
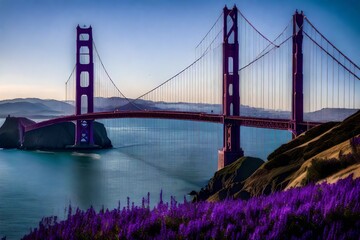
142,43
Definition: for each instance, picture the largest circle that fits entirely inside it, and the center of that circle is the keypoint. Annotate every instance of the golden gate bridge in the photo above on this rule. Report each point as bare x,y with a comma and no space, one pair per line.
237,69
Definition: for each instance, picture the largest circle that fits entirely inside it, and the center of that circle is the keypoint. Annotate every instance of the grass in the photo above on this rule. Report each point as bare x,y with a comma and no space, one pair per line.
321,168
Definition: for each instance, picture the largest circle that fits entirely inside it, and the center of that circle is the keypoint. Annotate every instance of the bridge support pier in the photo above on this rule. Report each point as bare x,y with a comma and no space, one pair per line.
231,150
84,133
297,116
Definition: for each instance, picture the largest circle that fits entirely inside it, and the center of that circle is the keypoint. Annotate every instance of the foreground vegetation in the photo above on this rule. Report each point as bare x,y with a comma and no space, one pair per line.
316,211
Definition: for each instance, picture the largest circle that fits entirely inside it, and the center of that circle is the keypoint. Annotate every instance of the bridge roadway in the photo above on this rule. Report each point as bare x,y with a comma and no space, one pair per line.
280,124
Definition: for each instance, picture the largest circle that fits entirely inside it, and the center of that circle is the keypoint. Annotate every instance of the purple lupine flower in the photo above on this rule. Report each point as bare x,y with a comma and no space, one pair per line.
311,212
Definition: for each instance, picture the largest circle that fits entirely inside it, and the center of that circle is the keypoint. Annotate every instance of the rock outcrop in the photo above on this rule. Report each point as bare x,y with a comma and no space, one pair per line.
55,137
228,181
9,131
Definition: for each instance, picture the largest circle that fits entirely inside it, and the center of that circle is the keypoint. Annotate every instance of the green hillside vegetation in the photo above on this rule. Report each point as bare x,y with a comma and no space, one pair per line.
310,158
322,168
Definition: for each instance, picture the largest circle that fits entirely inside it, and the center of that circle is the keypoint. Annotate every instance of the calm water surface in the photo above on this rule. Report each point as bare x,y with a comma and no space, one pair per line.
148,156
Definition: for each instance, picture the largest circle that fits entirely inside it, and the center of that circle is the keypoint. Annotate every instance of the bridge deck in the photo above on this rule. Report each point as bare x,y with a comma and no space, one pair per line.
281,124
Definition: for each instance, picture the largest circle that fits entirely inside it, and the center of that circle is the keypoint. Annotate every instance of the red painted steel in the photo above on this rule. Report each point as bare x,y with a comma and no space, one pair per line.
84,86
297,74
231,150
280,124
131,114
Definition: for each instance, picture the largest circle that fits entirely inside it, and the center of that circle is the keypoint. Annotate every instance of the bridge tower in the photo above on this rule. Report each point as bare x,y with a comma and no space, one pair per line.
84,86
231,150
297,75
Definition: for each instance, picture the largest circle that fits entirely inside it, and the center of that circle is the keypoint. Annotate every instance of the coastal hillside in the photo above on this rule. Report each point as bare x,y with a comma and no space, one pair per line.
328,152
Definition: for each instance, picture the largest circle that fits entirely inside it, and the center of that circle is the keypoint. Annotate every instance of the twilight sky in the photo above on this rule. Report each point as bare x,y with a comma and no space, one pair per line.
141,43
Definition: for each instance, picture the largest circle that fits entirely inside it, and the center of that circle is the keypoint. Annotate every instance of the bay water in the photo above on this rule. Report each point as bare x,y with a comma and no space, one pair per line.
148,156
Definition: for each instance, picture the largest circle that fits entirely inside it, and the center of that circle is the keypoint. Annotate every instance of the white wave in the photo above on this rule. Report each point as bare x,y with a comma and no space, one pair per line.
47,152
88,155
127,128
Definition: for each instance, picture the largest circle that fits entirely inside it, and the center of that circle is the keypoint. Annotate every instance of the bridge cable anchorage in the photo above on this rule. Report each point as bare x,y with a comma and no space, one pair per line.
334,58
102,64
347,58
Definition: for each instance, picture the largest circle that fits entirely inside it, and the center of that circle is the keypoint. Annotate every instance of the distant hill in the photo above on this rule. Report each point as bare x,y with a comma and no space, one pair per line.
25,109
50,103
34,108
47,108
329,114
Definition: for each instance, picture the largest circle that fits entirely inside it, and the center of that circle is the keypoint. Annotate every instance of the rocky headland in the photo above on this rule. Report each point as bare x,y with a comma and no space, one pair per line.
55,137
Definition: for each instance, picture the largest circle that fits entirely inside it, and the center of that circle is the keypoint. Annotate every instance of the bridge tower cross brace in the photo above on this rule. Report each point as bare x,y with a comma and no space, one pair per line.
297,116
231,150
84,102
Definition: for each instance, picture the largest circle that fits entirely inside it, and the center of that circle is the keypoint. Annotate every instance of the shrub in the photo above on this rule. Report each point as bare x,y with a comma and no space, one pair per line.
355,147
321,168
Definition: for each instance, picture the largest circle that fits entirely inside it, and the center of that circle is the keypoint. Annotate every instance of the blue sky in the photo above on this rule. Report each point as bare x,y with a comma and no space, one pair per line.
142,43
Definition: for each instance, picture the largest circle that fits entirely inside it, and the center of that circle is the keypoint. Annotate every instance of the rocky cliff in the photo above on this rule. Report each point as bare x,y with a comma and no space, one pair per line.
228,181
55,137
9,131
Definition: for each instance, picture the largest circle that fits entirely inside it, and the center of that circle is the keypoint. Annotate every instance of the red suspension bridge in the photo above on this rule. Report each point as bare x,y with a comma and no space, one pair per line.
239,78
